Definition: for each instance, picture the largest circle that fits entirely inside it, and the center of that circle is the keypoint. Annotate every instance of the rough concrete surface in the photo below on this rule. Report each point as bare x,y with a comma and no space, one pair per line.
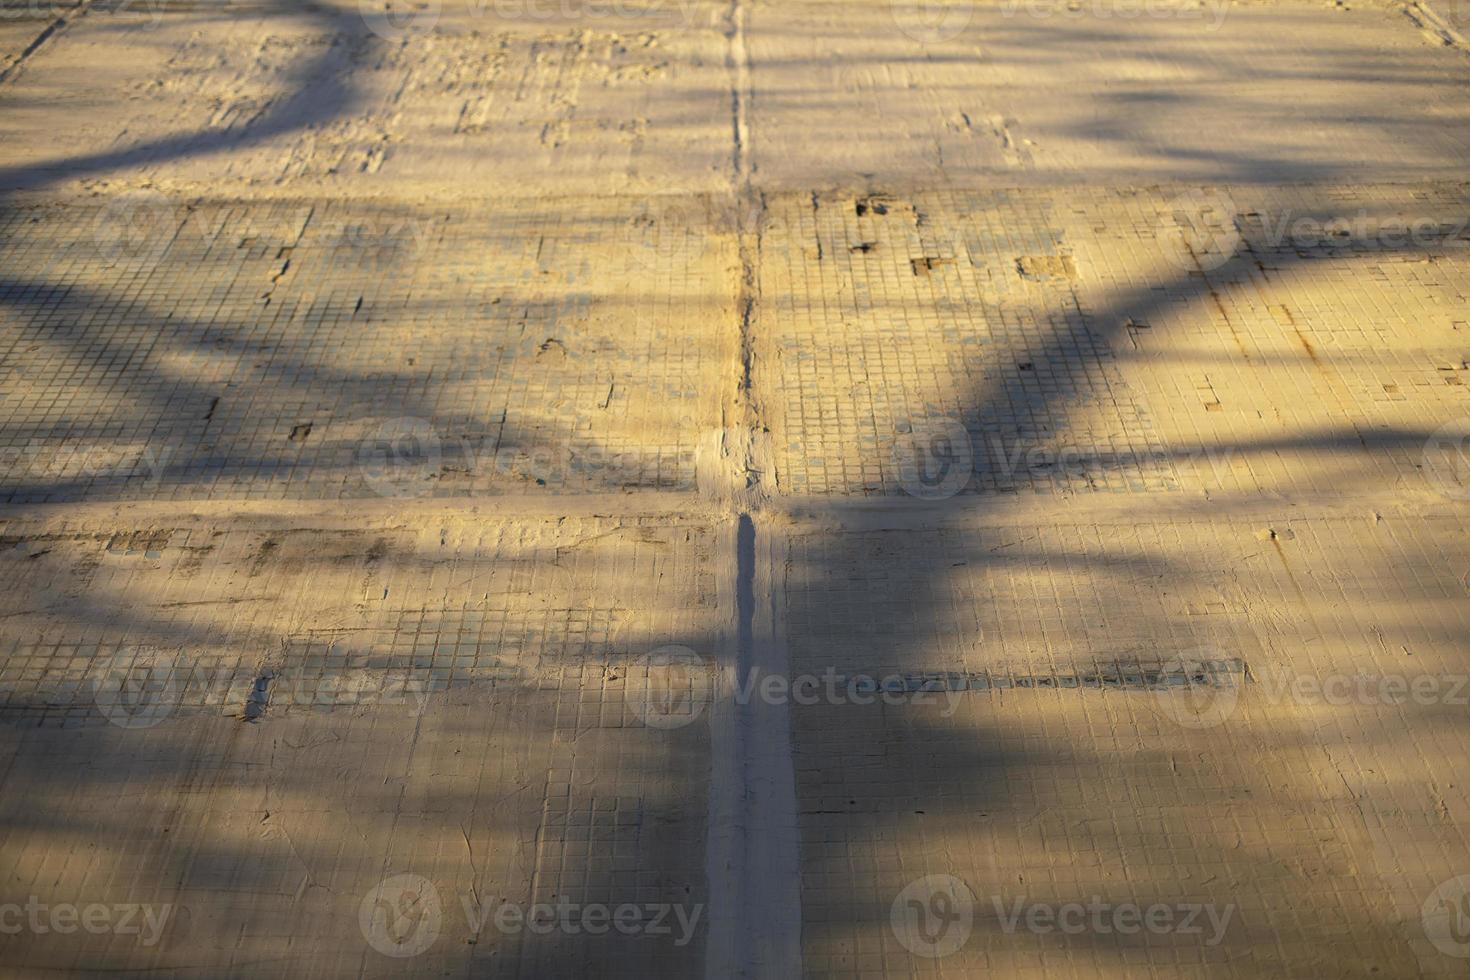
544,488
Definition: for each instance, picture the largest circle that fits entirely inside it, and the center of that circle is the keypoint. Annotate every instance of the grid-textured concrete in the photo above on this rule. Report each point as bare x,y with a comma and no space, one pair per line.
819,488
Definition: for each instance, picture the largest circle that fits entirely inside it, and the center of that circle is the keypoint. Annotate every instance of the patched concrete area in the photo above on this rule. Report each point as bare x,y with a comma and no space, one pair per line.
760,490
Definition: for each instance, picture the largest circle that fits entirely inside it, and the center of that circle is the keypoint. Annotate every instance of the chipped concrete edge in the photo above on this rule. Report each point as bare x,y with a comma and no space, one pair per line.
1422,13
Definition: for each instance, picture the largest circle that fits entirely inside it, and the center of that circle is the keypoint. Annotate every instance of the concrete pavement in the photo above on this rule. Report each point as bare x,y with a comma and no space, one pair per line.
678,488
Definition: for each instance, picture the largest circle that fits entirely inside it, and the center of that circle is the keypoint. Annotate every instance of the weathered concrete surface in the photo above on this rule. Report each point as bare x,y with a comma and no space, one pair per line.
819,488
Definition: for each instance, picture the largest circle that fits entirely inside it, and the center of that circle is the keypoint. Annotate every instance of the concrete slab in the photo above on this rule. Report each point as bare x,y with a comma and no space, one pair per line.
661,489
